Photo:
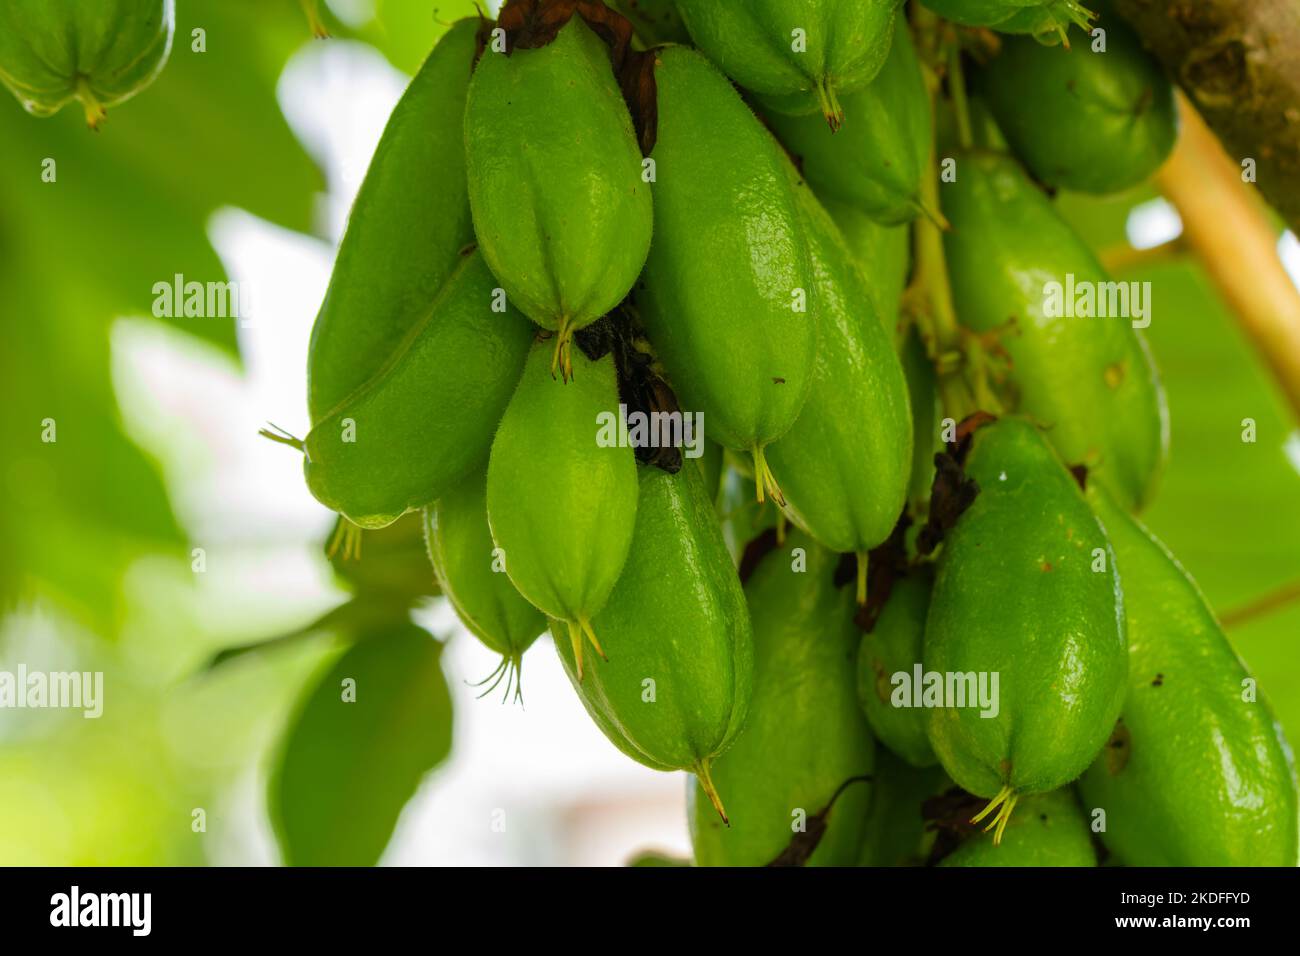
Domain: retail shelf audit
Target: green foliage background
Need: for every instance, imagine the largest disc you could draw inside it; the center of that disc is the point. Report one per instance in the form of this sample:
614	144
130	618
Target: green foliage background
94	565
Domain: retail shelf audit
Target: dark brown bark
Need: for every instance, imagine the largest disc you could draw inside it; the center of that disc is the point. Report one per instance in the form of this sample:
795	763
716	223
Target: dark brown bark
1239	62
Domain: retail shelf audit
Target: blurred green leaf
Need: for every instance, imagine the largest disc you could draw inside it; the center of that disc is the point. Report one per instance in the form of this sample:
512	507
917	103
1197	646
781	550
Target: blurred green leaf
125	208
347	768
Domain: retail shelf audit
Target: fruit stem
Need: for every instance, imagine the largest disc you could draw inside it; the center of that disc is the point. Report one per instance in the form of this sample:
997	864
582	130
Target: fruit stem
830	102
862	577
348	536
318	30
563	358
95	112
706	783
764	480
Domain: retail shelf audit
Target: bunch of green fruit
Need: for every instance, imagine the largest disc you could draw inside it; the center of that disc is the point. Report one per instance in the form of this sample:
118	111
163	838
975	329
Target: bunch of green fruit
567	231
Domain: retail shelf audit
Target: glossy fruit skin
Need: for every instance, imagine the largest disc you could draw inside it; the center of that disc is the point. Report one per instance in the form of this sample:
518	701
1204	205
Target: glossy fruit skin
875	162
560	208
656	21
806	735
408	227
882	252
1194	775
102	53
893	646
1090	382
562	507
1048	829
726	330
678	617
464	563
1081	120
895	831
845	463
751	41
1015	594
426	418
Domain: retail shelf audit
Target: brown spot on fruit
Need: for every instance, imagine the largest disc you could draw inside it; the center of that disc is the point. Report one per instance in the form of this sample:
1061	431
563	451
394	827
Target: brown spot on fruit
1118	748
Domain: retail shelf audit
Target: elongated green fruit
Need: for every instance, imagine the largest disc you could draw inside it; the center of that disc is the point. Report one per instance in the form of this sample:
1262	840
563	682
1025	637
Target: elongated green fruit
888	657
560	208
844	464
561	501
676	688
927	422
656	21
409	225
806	738
883	253
1049	829
1088	380
426	419
726	294
1197	772
896	827
1083	119
1026	590
101	53
800	55
874	163
472	573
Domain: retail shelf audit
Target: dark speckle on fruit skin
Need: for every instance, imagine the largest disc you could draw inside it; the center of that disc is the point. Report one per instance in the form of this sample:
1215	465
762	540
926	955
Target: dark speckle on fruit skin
1159	681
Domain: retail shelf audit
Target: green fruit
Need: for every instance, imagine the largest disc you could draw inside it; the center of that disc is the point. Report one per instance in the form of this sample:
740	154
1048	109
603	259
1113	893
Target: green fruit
1048	21
560	208
472	574
1089	381
656	21
409	225
675	690
101	53
425	420
561	504
893	646
844	464
1025	589
728	271
806	738
1012	16
1079	119
1049	830
927	417
710	466
876	162
896	826
883	253
757	42
978	13
1195	773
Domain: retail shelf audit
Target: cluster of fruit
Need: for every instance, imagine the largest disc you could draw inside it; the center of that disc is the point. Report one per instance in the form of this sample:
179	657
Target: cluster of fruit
578	215
559	224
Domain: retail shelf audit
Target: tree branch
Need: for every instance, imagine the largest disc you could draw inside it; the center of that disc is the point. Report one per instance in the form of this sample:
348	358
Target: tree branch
1239	62
1226	225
